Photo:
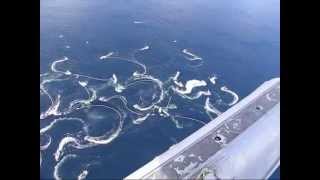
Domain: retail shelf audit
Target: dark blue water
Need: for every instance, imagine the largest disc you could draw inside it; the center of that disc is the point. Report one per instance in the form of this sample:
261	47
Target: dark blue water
237	41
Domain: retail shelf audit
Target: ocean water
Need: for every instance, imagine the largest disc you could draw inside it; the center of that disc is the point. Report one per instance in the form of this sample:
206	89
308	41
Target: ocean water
123	80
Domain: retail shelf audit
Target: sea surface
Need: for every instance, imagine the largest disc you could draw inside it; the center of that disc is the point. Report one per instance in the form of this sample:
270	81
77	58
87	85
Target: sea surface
123	80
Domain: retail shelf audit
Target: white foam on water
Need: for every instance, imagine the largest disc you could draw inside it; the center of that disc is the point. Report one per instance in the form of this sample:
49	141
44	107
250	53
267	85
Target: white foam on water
210	108
163	111
83	139
144	48
91	97
159	84
197	95
56	172
189	118
53	109
122	99
67	72
213	79
176	122
191	84
106	138
54	64
117	86
107	99
83	83
106	56
192	57
141	119
138	107
176	76
138	22
45	146
172	106
175	80
234	95
83	175
66	140
55	121
114	79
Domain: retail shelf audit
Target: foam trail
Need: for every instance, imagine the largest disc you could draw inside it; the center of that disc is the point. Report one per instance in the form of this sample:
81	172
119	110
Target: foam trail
51	99
83	139
169	102
45	146
144	48
192	57
196	120
54	64
59	164
83	83
67	72
172	106
160	85
190	85
106	56
210	108
106	139
53	102
66	140
114	78
117	87
163	111
122	99
213	79
52	78
176	122
138	22
235	96
51	125
93	78
106	99
197	95
73	142
53	109
141	119
88	101
83	175
175	80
